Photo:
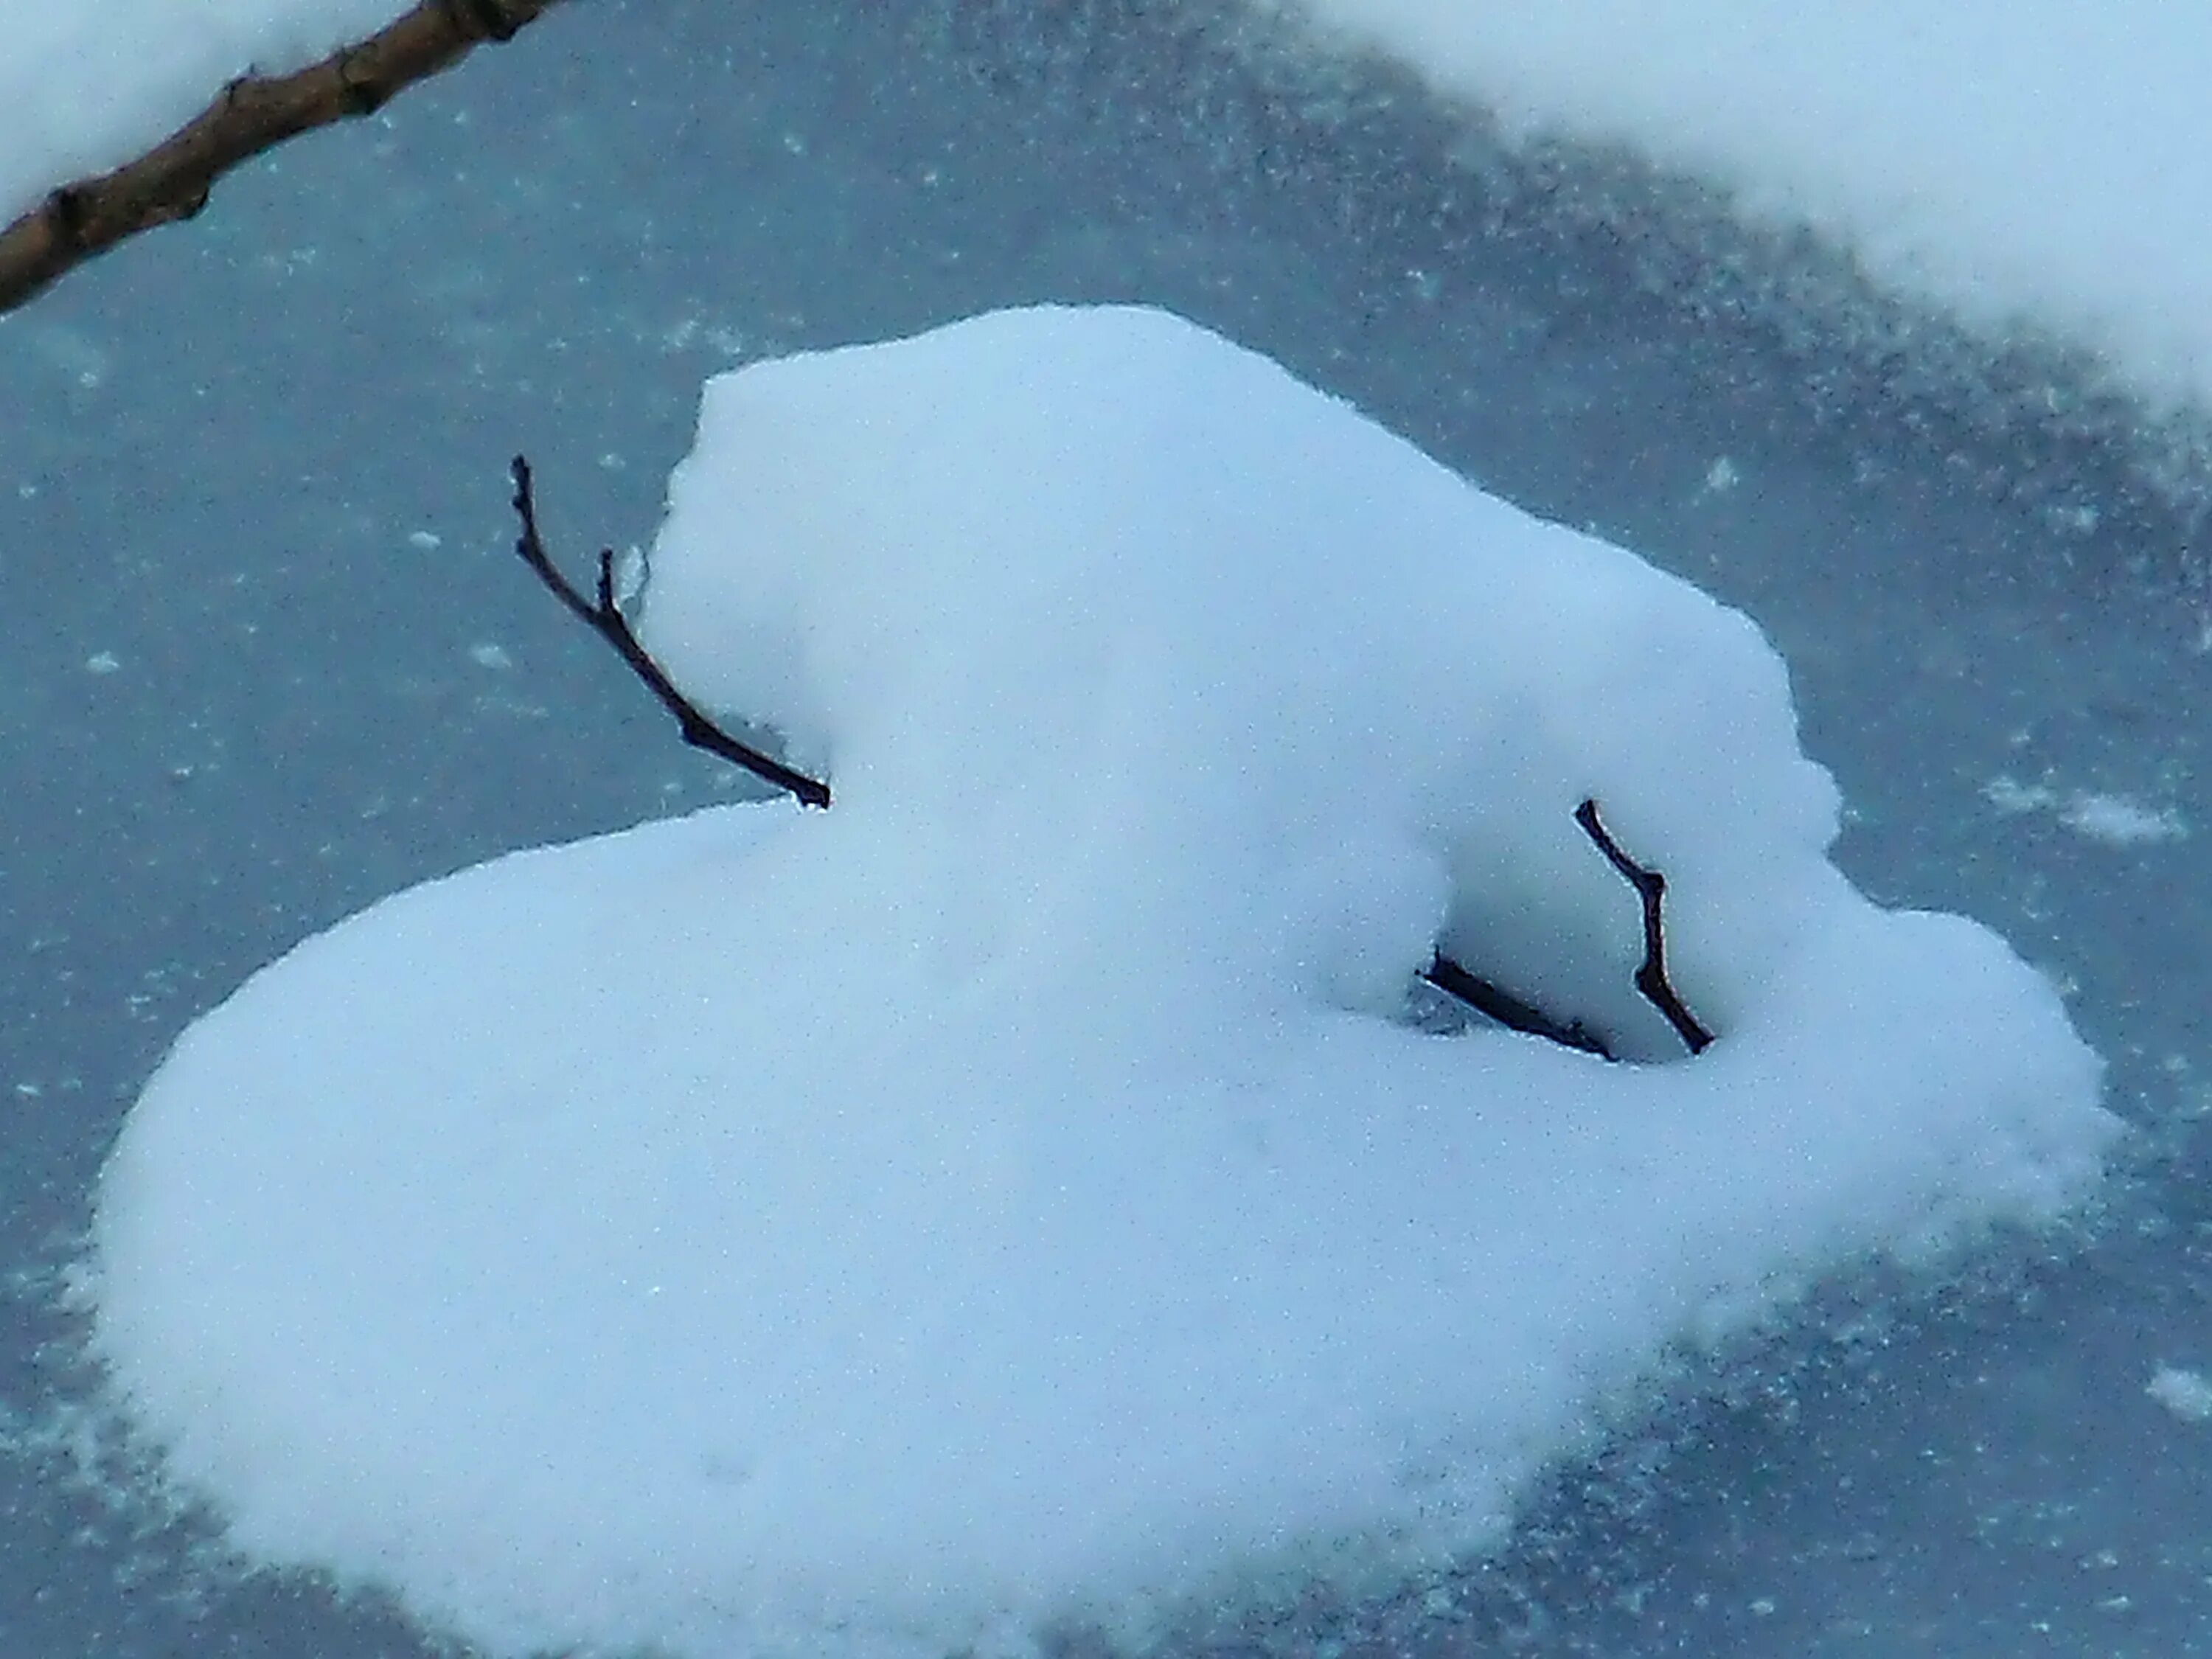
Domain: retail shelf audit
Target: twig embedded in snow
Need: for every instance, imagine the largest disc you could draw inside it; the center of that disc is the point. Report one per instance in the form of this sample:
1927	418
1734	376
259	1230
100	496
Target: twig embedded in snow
603	614
1485	997
1651	974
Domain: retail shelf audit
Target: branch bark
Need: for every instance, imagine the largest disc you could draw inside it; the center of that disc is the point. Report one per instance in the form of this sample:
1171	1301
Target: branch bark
1488	998
1494	1000
1652	889
253	114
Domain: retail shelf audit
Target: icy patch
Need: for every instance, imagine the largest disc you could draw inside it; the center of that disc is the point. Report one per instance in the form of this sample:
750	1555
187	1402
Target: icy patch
2116	820
1016	1194
2121	821
2186	1394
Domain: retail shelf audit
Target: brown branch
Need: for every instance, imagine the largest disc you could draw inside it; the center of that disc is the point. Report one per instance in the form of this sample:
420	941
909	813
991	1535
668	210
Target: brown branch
1651	888
603	615
253	114
1489	998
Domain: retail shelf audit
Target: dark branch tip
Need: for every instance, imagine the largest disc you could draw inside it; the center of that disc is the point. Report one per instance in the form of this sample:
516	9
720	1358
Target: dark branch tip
606	619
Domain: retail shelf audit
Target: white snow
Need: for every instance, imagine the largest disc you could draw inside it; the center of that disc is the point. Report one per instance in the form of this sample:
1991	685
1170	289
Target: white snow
1015	1193
87	85
2009	159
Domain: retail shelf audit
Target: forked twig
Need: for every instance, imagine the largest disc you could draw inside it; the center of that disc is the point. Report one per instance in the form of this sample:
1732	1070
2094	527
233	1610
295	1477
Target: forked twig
1487	998
1651	974
603	616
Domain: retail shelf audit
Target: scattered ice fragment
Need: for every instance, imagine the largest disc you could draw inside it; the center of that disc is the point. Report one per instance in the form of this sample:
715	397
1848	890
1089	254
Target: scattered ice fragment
690	330
488	655
1722	477
2186	1394
633	573
2117	820
424	541
103	662
2121	821
2010	795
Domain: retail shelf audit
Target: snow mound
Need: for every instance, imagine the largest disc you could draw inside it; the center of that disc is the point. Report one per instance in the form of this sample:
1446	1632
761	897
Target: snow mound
1017	1193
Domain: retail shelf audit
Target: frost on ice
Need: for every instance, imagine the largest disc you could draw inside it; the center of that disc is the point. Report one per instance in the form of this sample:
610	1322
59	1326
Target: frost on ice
1017	1192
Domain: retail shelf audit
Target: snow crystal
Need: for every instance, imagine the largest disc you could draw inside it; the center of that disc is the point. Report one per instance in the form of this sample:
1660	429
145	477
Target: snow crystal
1016	1192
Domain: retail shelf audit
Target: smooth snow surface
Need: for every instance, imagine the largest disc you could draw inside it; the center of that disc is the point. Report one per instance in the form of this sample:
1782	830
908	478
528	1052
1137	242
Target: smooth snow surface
1016	1192
86	85
2014	160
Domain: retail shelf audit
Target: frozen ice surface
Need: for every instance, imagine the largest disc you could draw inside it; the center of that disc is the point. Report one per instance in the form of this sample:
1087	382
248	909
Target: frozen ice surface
2038	161
1012	1193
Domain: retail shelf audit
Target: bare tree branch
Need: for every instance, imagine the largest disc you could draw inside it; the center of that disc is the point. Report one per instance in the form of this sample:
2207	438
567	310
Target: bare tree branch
603	616
252	115
1488	998
1651	888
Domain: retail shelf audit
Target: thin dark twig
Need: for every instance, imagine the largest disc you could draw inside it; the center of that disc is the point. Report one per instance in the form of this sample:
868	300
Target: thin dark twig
1485	997
1650	887
605	617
